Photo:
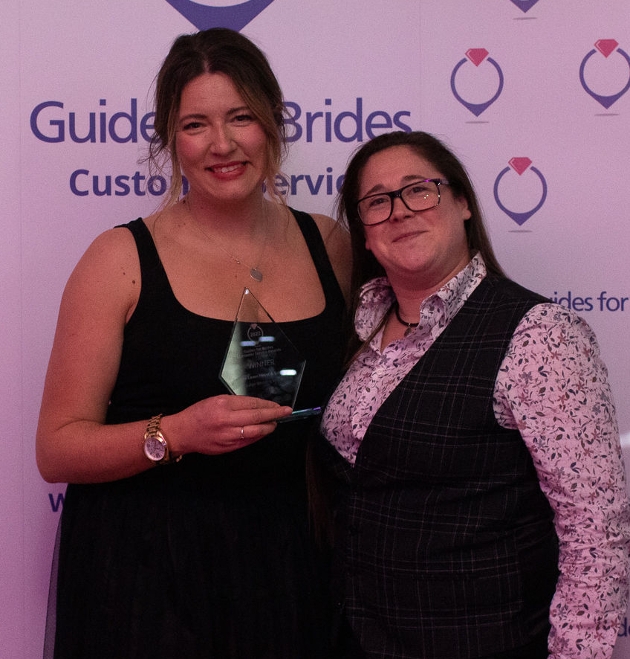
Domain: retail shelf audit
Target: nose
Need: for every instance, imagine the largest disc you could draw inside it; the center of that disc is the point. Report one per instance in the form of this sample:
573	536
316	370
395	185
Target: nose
221	141
399	209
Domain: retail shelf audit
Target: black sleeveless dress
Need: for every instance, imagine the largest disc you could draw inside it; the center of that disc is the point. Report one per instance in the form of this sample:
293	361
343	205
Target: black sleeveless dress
211	556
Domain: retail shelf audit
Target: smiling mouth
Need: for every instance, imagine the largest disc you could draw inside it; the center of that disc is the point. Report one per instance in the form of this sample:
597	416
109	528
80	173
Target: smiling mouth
226	169
410	234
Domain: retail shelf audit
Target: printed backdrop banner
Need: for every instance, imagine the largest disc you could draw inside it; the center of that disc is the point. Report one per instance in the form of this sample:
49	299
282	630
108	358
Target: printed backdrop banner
532	94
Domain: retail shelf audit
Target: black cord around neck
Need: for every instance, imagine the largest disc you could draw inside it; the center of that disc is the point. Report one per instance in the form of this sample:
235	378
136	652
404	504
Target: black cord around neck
409	326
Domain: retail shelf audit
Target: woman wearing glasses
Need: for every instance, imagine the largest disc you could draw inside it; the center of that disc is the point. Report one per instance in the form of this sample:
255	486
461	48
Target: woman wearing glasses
480	508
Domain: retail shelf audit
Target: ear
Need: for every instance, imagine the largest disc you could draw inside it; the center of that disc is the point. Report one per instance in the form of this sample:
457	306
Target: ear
462	204
367	242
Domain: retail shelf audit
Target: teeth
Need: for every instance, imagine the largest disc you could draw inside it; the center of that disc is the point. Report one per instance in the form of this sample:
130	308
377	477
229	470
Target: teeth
225	170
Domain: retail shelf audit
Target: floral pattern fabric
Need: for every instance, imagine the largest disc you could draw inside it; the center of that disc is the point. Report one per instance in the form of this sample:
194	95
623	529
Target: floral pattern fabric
553	387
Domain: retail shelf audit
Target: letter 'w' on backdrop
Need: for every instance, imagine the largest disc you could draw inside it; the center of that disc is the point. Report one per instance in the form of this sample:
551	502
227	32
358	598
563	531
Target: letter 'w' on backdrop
534	95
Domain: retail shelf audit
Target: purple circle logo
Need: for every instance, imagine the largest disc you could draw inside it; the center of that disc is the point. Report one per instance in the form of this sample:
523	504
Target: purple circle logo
477	56
205	16
605	47
520	166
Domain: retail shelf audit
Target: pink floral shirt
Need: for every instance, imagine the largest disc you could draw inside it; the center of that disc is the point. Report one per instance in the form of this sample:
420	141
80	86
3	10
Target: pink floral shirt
552	386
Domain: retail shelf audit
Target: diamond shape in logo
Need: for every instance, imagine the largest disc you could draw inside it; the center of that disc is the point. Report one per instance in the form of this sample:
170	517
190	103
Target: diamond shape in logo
235	17
519	165
477	55
606	46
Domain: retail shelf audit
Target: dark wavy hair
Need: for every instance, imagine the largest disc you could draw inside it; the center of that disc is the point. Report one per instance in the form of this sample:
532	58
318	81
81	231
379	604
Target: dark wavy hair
365	265
218	50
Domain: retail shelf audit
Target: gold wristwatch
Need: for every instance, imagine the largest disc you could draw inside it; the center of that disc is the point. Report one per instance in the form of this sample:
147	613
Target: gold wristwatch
155	444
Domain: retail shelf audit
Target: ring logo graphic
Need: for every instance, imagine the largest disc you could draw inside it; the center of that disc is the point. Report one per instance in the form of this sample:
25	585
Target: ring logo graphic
605	47
524	5
520	166
204	15
477	56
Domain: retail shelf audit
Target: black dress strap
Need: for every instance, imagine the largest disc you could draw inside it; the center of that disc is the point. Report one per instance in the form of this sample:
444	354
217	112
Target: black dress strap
316	247
151	269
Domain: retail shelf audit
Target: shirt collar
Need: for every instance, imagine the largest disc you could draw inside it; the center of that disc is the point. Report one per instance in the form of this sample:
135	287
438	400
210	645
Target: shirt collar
376	298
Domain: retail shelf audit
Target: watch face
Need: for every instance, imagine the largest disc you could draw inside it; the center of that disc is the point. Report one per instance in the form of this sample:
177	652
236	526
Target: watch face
154	449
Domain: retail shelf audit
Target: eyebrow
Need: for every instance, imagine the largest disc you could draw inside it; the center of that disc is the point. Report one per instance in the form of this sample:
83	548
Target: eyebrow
241	108
192	115
379	187
201	115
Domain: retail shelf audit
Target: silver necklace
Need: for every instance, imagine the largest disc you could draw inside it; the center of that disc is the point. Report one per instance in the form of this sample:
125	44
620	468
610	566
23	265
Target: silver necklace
254	270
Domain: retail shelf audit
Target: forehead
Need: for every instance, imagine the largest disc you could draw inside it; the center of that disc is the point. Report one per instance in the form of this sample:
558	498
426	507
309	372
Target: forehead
392	167
210	90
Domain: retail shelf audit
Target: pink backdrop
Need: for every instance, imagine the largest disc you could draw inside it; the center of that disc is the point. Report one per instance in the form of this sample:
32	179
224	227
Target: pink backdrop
531	94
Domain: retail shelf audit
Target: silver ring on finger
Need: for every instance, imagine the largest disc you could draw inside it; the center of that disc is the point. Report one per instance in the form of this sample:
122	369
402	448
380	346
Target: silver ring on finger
242	432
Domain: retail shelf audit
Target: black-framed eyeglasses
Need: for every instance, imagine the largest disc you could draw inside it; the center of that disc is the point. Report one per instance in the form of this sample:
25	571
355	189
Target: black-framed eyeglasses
417	196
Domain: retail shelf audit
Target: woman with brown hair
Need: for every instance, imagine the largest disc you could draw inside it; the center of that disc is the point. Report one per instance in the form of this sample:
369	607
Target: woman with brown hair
480	508
184	531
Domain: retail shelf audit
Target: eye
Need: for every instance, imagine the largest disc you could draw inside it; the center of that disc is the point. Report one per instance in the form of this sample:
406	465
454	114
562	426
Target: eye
419	188
192	127
243	118
376	202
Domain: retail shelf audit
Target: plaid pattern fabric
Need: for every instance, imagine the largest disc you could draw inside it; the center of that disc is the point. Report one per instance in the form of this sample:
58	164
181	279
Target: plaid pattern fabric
445	545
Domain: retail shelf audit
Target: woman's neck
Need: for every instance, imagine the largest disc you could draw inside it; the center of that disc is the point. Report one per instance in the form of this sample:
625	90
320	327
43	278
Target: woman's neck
233	218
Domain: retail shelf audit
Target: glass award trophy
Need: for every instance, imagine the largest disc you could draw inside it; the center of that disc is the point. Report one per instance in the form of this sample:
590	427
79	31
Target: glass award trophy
260	360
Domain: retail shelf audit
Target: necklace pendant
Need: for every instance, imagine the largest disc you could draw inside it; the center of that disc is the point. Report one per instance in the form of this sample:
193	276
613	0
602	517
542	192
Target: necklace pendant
256	274
410	326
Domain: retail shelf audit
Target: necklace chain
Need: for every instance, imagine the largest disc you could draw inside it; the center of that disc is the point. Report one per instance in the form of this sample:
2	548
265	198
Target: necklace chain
409	326
254	270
